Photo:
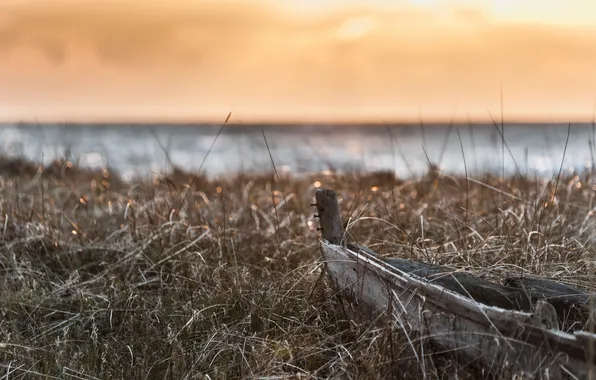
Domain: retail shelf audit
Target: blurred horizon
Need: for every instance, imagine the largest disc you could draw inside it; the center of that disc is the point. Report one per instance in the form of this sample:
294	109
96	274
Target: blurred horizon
325	61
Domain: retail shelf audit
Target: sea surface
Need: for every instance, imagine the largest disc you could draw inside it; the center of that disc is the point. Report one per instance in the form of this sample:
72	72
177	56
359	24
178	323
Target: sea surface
140	150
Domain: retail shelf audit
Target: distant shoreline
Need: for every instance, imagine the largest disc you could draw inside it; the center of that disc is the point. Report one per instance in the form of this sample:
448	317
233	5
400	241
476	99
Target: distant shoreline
407	149
305	125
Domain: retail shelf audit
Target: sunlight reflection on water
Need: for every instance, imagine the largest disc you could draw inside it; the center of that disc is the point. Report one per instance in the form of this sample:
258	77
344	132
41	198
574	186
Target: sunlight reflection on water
139	150
93	160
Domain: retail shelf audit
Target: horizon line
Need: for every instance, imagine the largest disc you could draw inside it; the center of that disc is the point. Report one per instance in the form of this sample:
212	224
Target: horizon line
306	121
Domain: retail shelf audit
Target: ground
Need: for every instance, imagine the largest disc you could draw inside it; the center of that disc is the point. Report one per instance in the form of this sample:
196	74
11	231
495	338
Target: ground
186	277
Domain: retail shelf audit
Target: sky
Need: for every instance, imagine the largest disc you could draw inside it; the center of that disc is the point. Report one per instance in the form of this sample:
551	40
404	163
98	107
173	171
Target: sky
297	60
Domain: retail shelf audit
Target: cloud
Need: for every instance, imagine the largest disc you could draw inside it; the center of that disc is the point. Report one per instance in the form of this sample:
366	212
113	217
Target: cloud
214	33
155	33
241	37
132	34
257	56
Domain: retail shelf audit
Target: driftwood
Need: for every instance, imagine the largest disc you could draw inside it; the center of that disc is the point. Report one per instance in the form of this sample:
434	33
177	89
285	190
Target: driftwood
571	305
491	326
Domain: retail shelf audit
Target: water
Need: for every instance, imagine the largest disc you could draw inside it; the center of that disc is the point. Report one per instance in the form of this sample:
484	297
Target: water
135	150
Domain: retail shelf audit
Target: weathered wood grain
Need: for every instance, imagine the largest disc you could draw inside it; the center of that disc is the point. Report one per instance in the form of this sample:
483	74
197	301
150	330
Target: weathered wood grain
478	334
572	306
514	325
329	216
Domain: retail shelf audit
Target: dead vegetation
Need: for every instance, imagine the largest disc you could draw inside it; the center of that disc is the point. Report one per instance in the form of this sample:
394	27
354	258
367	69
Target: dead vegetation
188	277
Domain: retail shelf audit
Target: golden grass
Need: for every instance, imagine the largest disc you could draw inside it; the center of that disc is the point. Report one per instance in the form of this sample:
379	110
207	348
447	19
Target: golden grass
186	277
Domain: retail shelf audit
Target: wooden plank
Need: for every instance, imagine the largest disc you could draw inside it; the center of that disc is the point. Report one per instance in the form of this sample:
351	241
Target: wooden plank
483	335
463	283
572	306
481	322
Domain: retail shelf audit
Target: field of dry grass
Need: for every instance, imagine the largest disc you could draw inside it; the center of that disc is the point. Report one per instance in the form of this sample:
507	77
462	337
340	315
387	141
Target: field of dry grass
184	277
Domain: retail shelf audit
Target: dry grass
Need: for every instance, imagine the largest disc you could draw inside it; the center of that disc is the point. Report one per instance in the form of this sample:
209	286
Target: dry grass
186	277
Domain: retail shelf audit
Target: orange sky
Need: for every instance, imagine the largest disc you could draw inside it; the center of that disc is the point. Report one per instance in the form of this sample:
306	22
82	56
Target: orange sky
296	60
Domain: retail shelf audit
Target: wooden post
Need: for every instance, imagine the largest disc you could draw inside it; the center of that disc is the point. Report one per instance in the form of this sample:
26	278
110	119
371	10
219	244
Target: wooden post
328	213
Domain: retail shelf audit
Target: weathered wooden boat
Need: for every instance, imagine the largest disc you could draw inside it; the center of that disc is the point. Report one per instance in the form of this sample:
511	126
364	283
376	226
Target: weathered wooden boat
533	327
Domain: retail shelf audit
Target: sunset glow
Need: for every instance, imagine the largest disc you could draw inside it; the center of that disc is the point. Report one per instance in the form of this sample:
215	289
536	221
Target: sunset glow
289	60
